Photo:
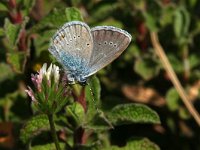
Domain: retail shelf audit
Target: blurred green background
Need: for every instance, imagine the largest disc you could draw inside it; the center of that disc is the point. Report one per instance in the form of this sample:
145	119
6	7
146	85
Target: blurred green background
26	27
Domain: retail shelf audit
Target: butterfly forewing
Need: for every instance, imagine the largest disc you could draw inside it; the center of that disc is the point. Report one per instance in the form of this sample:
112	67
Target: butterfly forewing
109	42
72	45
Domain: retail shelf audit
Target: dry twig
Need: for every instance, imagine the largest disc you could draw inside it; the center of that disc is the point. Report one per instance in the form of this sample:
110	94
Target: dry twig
164	60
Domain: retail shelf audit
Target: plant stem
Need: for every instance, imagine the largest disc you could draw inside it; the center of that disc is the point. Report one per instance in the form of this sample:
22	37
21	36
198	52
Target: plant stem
53	131
76	89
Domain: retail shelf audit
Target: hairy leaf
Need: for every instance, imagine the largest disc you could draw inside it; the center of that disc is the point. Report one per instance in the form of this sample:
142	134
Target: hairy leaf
76	111
34	127
12	32
98	123
94	85
92	93
132	113
17	61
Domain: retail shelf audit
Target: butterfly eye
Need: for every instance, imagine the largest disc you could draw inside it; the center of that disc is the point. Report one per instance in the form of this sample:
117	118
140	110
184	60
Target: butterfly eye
115	45
88	44
74	37
111	43
78	36
105	42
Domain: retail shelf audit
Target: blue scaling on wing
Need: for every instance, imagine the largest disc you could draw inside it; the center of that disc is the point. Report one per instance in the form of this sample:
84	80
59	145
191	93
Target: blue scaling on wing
72	46
75	66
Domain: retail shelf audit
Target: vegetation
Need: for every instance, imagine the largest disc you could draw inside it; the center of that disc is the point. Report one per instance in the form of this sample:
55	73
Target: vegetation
140	101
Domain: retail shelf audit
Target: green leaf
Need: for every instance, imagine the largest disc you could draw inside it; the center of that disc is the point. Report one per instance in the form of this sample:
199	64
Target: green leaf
2	32
94	85
194	60
172	99
178	22
177	65
73	14
92	94
186	24
76	111
133	52
3	7
132	113
150	21
57	18
103	11
17	61
136	144
181	23
95	118
167	16
34	127
41	43
28	5
147	68
50	146
99	123
6	72
12	32
183	113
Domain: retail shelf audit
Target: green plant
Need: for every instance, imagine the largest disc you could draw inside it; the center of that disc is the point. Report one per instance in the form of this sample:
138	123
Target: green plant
26	27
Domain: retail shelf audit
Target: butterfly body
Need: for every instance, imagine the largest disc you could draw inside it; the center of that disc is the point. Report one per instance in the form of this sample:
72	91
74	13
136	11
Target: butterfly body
83	51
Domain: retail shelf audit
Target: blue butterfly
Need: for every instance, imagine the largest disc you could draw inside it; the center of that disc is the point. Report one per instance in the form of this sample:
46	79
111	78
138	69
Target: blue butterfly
83	51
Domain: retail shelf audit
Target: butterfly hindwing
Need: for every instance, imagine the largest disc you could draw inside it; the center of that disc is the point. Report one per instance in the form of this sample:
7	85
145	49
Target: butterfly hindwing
109	42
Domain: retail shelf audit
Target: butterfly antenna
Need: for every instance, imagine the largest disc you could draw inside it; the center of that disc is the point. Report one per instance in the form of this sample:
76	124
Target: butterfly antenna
101	114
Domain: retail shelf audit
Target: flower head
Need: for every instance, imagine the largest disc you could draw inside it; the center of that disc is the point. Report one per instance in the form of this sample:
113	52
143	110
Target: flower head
50	93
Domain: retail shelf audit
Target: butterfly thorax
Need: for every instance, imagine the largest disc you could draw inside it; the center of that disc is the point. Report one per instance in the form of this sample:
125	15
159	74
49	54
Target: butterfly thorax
76	77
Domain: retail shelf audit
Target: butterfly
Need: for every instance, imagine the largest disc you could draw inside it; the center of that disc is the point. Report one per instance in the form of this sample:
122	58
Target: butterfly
83	51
